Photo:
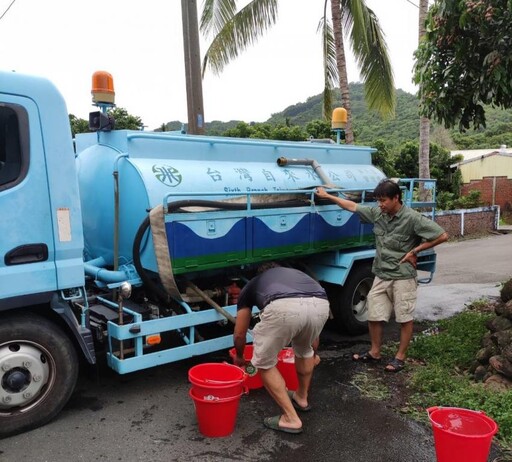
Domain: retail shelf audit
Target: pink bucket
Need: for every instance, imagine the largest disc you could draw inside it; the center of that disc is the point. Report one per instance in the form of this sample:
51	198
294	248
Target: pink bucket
461	435
286	366
219	379
216	417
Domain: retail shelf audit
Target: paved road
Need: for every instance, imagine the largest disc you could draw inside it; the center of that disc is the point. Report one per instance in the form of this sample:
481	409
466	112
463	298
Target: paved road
148	415
467	270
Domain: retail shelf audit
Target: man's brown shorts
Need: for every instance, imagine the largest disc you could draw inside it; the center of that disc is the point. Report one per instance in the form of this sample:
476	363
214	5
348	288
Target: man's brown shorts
396	295
298	321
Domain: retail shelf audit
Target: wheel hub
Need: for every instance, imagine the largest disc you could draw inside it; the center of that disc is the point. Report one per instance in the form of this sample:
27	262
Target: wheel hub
360	300
16	380
24	372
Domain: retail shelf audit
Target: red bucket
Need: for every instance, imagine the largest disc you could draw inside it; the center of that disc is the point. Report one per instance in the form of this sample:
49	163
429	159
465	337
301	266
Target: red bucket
286	366
254	381
220	380
215	417
461	435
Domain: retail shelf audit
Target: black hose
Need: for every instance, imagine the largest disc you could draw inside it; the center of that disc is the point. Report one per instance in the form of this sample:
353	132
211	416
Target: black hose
174	206
153	288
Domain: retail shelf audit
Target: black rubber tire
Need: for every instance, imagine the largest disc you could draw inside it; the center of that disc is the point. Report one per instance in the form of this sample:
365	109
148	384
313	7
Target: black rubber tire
55	353
348	302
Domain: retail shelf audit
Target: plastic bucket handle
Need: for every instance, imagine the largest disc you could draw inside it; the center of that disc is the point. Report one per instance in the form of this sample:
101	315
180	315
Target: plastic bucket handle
215	399
228	382
436	408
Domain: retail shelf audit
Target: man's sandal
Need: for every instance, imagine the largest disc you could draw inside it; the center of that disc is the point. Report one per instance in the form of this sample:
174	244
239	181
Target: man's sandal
296	405
395	365
273	424
365	357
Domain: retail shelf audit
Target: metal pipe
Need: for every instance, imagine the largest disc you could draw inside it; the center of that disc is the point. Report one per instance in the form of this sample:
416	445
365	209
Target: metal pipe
120	321
240	142
207	299
115	174
104	275
283	162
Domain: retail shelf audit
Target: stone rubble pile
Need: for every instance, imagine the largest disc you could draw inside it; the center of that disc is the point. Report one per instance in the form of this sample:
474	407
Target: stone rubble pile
493	364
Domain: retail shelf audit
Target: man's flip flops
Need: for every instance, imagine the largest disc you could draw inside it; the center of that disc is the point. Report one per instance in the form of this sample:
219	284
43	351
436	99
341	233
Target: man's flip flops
273	424
365	357
395	365
297	405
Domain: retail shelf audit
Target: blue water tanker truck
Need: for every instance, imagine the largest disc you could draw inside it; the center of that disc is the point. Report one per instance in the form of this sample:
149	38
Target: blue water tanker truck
133	246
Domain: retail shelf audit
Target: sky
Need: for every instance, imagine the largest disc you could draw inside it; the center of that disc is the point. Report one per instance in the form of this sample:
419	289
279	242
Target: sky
141	45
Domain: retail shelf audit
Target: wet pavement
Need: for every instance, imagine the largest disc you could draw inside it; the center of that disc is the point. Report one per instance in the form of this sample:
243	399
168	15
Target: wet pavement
148	415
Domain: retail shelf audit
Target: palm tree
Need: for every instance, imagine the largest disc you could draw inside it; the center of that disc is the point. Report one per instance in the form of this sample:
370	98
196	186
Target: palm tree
233	31
424	161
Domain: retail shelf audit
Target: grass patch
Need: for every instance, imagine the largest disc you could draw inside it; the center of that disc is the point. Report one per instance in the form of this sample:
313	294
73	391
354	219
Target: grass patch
439	375
370	386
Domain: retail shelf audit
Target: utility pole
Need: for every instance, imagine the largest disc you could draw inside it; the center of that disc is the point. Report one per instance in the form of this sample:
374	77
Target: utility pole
192	67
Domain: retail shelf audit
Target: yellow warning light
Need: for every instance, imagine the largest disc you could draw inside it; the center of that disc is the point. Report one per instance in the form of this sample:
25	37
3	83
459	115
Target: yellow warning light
154	339
339	118
103	88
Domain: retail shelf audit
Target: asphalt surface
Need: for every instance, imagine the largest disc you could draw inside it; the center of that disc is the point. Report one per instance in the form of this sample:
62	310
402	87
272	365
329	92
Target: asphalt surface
149	416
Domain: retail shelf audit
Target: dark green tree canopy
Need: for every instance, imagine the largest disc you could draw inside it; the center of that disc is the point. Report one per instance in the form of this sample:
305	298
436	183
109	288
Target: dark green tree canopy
465	62
124	121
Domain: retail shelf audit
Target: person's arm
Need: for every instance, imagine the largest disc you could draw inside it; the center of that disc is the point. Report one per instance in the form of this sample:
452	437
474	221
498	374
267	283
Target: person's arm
343	203
412	255
243	319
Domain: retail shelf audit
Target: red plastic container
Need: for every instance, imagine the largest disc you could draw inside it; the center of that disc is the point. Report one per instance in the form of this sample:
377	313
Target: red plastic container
254	381
461	435
286	366
220	380
215	417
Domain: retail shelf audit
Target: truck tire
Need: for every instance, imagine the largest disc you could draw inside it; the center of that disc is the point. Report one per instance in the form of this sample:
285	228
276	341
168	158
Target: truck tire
349	302
38	372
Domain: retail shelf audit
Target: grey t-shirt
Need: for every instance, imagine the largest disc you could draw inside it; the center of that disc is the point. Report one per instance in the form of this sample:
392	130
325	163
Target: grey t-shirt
276	283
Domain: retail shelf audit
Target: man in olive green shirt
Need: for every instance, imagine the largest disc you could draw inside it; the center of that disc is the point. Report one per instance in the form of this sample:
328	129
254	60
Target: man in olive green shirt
400	233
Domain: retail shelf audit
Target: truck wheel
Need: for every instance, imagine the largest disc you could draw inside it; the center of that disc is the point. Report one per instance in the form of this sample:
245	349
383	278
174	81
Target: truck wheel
38	372
349	302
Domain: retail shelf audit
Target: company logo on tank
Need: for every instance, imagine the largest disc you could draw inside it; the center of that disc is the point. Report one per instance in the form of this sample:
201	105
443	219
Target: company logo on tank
167	175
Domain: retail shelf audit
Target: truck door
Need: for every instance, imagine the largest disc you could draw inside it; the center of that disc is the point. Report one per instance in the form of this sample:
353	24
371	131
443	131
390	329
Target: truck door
27	268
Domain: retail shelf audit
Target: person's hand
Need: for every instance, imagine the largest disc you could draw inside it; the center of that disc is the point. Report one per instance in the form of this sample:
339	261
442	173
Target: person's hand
321	193
410	257
239	361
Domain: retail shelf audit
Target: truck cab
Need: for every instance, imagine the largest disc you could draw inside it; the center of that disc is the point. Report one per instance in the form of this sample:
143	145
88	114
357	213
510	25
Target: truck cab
42	241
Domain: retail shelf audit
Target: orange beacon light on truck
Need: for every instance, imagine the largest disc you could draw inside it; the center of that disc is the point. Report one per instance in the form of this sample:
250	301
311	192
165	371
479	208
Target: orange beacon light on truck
103	88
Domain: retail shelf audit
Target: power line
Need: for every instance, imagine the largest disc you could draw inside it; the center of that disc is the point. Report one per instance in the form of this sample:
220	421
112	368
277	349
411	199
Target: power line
413	4
8	8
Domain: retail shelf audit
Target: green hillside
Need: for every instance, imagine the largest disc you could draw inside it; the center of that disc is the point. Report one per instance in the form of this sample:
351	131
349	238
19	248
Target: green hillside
369	127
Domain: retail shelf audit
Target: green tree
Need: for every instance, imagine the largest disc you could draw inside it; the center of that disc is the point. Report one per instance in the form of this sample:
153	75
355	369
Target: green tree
440	161
464	62
383	159
319	129
78	125
234	30
125	121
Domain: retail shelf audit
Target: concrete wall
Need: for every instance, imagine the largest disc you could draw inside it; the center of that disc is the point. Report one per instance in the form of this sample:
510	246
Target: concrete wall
467	222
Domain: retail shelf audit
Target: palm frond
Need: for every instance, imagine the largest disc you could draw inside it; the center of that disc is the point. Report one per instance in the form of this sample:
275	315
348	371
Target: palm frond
216	13
370	50
329	64
242	30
